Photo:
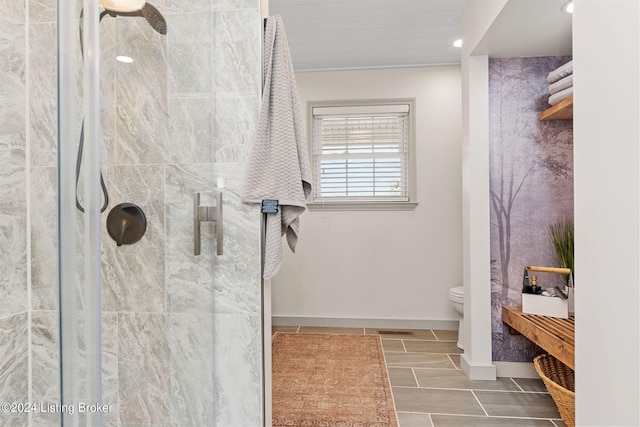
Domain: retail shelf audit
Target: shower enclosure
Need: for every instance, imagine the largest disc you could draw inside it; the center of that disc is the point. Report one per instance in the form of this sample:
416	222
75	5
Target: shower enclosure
146	333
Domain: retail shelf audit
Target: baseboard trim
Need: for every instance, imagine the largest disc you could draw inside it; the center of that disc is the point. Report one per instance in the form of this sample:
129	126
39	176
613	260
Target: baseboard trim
498	370
348	322
477	372
516	370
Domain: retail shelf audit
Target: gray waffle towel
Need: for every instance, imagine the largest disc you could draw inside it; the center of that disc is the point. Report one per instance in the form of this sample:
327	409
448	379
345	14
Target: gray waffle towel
278	166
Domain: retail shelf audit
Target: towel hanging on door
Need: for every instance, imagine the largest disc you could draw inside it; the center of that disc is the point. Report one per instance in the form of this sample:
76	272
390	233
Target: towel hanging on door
278	165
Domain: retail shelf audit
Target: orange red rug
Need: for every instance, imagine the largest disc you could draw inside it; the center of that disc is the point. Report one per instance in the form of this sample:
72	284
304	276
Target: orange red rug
330	380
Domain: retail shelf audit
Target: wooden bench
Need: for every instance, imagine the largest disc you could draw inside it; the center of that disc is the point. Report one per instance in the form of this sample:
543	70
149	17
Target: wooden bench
555	336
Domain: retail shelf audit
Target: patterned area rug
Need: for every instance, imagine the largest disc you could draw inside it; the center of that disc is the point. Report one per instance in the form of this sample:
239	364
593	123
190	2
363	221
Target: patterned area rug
330	380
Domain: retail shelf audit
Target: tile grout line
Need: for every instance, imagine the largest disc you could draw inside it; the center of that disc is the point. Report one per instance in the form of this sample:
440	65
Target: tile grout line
485	390
28	209
452	362
415	377
517	385
479	403
431	420
495	417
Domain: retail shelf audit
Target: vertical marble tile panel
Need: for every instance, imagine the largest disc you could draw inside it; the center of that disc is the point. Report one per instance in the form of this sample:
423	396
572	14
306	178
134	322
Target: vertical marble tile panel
143	368
190	27
42	11
13	240
187	6
235	123
237	369
44	267
108	89
189	68
142	109
189	51
237	273
110	365
14	12
42	63
235	4
11	144
237	338
43	140
45	364
133	275
190	339
189	277
190	130
14	369
12	85
42	95
234	275
236	52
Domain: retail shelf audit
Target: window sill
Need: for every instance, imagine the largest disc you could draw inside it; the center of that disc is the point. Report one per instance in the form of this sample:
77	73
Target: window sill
361	206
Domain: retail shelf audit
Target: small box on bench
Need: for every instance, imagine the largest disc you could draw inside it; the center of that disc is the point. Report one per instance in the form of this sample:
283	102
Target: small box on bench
545	306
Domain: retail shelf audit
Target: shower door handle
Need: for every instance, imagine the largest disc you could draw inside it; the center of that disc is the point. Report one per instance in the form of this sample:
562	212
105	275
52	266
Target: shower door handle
207	214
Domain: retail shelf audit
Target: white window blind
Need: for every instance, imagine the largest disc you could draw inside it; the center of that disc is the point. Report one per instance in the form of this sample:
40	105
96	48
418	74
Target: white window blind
361	153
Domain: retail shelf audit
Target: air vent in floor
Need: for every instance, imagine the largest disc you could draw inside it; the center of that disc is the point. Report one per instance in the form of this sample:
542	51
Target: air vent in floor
387	332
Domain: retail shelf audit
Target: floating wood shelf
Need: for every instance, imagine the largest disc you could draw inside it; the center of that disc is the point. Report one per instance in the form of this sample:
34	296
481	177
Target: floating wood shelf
563	110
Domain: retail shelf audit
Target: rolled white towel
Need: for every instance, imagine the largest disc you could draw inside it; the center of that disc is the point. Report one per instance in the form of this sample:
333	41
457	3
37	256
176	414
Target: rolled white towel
561	84
560	72
563	94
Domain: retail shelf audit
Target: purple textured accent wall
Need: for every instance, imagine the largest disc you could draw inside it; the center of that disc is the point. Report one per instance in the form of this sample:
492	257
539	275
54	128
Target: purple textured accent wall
531	186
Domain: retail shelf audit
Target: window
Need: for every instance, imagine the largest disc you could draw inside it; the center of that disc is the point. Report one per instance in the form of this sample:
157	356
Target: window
361	155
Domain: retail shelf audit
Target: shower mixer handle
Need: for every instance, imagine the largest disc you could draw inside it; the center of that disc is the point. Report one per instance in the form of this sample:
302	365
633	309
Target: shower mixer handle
211	213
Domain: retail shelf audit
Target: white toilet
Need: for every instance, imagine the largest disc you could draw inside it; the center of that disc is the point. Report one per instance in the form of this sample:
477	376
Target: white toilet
456	296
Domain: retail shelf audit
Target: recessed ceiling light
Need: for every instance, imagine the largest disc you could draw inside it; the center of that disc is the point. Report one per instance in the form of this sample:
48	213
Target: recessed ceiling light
124	59
458	43
568	7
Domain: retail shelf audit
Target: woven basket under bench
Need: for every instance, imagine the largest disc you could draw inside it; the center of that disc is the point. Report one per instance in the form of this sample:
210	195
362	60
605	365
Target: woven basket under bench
560	382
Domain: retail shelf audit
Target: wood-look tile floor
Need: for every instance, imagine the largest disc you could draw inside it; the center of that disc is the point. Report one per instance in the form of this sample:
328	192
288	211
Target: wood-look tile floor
430	390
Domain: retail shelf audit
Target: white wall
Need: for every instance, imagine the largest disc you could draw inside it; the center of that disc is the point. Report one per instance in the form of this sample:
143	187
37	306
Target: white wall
607	203
385	265
477	358
607	211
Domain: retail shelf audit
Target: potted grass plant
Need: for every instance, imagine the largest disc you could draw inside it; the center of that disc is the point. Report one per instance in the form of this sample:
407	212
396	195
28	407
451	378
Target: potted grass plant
561	234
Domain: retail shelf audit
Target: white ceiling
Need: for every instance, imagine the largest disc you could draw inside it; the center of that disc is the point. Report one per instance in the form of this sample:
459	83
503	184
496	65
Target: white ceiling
361	34
528	28
353	34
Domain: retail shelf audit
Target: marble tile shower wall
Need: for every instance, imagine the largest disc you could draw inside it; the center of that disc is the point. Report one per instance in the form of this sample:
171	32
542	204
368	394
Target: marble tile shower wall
181	334
13	208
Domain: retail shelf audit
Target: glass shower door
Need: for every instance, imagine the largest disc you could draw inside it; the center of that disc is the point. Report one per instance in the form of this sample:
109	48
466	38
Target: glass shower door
151	333
78	237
